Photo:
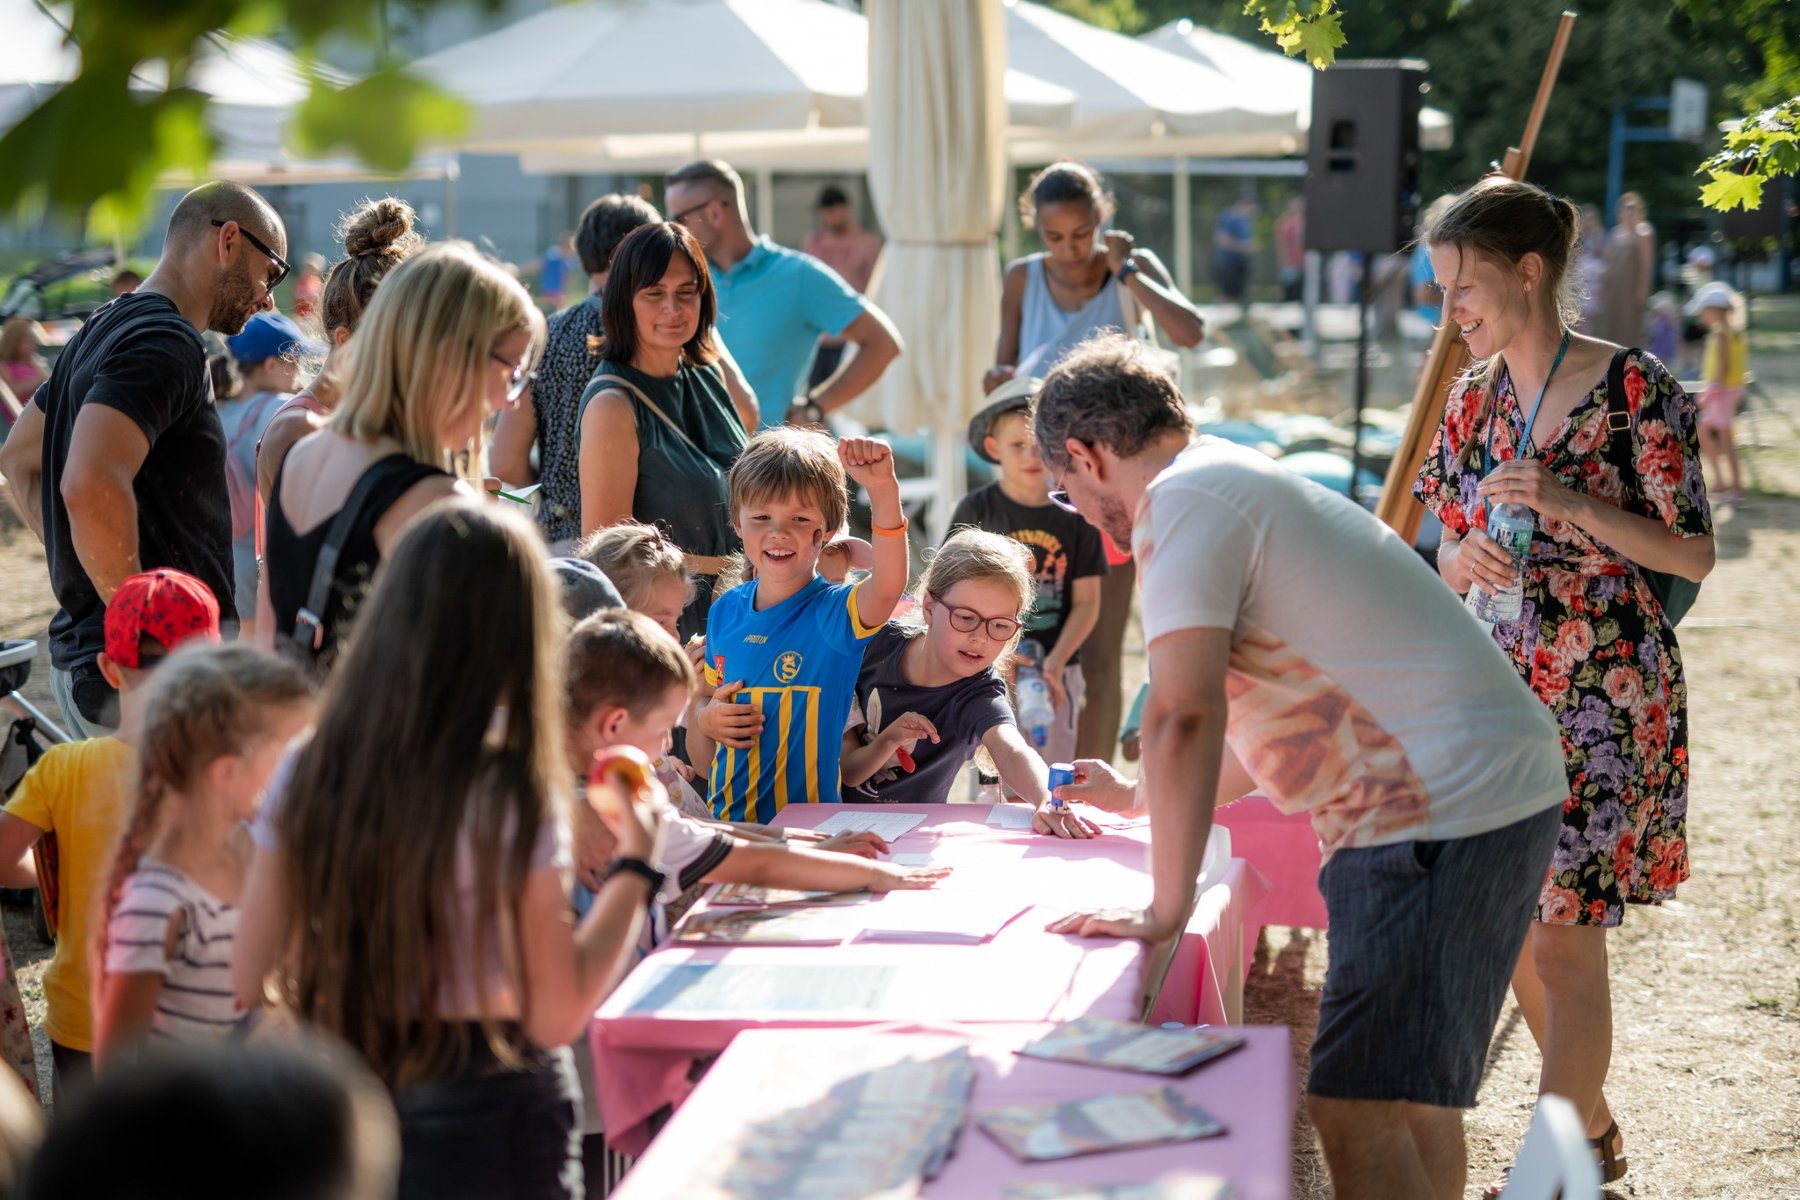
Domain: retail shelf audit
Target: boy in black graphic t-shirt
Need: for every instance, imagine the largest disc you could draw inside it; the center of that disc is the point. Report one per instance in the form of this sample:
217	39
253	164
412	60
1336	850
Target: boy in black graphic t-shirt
1068	557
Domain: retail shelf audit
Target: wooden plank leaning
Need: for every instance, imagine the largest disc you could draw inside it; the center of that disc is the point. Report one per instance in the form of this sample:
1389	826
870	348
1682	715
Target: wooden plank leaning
1448	356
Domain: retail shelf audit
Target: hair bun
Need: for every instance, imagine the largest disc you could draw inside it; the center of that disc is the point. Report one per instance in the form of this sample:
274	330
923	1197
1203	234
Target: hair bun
379	228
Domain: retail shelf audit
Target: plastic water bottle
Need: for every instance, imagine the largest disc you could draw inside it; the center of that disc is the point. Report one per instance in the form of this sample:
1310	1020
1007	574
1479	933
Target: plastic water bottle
1033	695
1512	526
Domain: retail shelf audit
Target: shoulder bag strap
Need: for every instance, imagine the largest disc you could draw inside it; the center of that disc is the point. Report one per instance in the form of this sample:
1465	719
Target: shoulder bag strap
309	622
648	403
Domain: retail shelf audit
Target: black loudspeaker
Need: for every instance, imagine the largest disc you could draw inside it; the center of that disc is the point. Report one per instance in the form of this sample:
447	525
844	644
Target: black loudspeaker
1362	160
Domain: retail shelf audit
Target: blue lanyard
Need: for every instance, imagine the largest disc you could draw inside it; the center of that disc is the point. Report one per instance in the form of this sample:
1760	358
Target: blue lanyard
1487	450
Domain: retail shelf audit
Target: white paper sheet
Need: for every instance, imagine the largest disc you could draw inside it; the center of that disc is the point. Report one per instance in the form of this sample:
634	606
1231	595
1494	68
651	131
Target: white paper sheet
1010	816
886	825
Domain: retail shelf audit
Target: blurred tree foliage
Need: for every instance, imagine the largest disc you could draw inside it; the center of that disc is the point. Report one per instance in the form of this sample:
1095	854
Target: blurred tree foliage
1486	56
98	145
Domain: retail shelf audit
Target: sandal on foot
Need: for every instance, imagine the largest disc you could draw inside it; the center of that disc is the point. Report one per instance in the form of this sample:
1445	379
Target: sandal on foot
1609	1149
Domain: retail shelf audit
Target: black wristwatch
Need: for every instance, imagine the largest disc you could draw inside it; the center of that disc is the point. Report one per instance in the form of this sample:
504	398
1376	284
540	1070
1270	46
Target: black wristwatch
638	867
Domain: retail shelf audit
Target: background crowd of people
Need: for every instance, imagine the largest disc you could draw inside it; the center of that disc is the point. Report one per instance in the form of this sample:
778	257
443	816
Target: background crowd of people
340	694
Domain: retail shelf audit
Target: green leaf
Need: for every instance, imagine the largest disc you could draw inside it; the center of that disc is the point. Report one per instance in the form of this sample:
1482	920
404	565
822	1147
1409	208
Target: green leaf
1729	190
1316	39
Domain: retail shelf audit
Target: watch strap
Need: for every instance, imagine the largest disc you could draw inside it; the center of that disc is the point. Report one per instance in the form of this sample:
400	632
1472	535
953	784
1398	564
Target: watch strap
638	867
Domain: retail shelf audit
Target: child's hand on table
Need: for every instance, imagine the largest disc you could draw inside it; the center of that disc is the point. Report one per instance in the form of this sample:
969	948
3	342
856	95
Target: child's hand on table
889	878
1062	823
860	842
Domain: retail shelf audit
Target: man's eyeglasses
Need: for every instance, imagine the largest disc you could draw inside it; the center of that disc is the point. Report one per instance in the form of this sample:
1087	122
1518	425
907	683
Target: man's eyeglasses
281	264
966	620
1059	496
681	217
518	378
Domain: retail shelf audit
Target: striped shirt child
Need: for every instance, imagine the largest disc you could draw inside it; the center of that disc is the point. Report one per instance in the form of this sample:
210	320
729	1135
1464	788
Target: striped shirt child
196	1000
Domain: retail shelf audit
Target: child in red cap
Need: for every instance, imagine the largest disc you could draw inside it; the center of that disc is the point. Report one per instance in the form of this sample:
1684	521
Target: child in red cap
73	801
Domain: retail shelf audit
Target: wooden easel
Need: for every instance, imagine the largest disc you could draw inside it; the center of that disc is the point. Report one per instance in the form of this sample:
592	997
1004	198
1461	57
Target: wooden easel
1448	355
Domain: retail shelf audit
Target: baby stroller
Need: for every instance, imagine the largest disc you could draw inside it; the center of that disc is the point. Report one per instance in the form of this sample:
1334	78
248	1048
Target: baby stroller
28	731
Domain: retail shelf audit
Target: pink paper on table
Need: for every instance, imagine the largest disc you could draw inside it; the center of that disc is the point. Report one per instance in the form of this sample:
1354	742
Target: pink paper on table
1252	1091
1285	849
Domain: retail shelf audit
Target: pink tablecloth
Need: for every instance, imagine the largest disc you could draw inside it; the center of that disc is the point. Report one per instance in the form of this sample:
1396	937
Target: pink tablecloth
1286	850
1251	1090
646	1035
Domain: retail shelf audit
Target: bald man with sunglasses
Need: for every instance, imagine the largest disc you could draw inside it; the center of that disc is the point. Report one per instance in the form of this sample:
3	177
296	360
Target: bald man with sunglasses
118	463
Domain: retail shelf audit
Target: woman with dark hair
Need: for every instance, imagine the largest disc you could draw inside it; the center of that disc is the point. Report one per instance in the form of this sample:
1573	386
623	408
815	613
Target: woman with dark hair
572	347
659	431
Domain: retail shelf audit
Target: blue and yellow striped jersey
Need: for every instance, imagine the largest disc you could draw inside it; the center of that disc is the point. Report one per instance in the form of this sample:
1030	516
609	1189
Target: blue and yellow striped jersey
798	661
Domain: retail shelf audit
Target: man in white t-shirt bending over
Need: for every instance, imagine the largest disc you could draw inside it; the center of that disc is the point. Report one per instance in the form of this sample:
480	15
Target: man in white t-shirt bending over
1292	633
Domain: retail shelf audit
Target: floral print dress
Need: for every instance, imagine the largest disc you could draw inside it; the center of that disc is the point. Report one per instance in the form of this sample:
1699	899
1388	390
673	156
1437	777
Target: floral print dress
1592	640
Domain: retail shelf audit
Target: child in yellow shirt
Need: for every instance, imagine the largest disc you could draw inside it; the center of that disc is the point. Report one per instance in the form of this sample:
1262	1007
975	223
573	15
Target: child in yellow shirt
1724	372
81	792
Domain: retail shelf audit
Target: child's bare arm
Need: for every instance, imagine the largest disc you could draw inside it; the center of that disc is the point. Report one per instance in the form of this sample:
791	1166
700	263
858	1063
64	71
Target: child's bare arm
17	837
1025	774
817	870
870	463
858	762
128	1003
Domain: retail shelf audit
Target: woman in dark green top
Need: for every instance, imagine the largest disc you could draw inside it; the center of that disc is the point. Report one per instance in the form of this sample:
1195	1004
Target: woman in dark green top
659	431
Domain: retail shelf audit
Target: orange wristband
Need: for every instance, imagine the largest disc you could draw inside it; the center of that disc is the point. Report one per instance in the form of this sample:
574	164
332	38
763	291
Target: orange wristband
897	531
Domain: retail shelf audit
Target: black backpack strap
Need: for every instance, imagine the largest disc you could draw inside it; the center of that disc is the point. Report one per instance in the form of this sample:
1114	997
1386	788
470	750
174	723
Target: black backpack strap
309	622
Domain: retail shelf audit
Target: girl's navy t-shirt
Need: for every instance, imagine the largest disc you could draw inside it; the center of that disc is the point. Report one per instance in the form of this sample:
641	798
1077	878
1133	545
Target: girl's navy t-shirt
962	712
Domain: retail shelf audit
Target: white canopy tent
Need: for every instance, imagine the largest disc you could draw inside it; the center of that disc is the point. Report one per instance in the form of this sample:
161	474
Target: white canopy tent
937	130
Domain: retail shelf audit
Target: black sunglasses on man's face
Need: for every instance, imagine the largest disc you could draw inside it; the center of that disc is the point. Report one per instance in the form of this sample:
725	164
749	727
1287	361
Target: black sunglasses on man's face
281	264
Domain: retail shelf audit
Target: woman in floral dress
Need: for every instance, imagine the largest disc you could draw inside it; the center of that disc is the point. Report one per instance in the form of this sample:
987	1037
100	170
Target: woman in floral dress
1617	489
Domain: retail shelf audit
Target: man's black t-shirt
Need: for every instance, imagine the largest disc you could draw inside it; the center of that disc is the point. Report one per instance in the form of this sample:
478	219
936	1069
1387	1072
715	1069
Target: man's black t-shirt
962	713
1064	548
140	356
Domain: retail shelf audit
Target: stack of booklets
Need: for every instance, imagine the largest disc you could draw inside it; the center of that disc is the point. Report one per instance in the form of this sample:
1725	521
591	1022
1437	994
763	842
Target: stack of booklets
750	895
764	926
880	1133
1100	1042
1119	1121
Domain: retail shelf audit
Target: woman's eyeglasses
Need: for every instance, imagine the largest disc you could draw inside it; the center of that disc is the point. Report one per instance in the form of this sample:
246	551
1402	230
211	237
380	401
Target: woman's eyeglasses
966	620
280	264
519	377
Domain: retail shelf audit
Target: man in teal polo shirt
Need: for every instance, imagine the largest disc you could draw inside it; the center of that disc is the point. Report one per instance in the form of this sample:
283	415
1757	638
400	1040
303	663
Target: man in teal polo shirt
776	303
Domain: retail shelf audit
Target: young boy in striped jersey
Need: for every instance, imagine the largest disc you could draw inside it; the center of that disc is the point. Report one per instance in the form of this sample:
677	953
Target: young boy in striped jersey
784	649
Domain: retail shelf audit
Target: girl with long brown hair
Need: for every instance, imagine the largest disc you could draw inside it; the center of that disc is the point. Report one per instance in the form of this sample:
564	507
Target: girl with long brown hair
407	894
216	721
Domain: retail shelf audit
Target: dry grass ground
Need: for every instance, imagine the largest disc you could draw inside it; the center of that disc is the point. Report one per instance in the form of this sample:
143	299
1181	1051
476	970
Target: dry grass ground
1706	1073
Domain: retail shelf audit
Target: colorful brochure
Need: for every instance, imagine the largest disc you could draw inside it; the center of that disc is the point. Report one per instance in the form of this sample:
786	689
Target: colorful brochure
750	895
763	926
1120	1121
1100	1042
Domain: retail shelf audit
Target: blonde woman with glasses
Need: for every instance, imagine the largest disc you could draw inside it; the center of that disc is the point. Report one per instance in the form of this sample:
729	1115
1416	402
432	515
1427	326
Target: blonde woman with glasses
448	339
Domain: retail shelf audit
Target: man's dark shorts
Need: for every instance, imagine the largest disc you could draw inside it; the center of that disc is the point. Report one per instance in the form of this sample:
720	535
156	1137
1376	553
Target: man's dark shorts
1424	937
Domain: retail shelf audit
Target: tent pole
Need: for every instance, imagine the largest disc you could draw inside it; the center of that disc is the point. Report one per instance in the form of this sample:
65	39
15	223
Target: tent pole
1009	218
1184	227
452	168
765	201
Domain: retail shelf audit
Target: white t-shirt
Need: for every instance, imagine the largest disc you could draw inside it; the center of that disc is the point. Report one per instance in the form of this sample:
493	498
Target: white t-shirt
1361	690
